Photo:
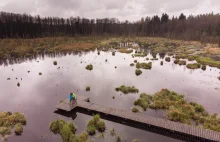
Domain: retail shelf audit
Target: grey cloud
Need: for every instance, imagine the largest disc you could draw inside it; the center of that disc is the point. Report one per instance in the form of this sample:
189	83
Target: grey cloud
122	9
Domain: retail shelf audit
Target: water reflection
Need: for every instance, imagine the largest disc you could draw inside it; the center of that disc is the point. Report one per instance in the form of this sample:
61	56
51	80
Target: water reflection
37	95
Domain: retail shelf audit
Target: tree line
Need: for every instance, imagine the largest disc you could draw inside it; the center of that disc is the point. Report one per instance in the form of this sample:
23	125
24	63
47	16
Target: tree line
204	28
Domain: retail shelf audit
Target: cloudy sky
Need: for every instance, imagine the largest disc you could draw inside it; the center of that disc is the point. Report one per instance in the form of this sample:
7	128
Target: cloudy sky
131	10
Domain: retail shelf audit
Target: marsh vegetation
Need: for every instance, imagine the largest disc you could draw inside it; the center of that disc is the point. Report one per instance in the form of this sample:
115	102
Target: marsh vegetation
127	89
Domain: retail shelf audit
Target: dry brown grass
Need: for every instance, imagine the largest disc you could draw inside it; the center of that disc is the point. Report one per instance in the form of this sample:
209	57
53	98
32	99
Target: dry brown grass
213	50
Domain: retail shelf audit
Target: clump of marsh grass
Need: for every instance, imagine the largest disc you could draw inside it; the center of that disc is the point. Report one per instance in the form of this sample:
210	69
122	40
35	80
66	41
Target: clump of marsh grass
67	131
135	61
167	59
132	64
178	109
135	109
144	65
203	67
95	124
40	73
193	66
180	62
18	129
127	89
125	50
9	121
87	88
18	84
161	63
89	67
138	72
55	63
112	132
218	77
113	53
136	140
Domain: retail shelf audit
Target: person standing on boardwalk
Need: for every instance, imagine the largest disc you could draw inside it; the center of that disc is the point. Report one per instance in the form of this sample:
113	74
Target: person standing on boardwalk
71	98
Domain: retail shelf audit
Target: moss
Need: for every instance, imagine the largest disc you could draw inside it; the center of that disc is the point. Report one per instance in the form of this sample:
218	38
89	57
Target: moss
55	63
144	65
87	88
161	63
138	72
193	66
132	64
127	89
125	50
18	129
167	59
135	109
40	73
89	67
203	67
208	61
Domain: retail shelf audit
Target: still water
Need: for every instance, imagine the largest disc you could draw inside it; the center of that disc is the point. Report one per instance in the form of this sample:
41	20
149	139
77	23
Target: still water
37	95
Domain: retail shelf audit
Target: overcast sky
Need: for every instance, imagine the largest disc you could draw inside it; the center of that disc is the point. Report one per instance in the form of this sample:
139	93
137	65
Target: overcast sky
131	10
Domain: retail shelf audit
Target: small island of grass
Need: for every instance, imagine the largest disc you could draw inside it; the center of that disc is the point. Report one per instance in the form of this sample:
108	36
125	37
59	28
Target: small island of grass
127	89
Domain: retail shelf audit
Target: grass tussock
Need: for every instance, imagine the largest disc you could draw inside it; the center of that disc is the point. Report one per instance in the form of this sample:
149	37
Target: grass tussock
8	121
125	50
208	61
141	54
161	63
180	62
144	65
193	66
40	73
127	89
55	63
89	67
203	67
87	88
132	64
67	131
179	110
138	72
95	124
167	59
135	109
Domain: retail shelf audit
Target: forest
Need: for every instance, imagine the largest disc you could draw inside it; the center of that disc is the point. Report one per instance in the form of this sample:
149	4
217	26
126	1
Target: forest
204	28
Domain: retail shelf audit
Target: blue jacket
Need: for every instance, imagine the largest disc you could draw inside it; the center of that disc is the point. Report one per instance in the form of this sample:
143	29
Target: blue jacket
71	97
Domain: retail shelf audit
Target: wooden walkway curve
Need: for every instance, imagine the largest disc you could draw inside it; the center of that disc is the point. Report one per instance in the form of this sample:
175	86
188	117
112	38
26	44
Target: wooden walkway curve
174	127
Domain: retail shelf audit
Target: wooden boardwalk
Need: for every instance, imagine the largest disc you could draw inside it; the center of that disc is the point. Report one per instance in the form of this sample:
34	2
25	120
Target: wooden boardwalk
174	127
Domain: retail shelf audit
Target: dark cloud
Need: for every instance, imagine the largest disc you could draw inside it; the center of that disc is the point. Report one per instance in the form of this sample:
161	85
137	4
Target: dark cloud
121	9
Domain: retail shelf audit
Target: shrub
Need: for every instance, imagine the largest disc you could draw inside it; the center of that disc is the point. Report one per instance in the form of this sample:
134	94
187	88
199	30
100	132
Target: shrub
87	88
138	72
127	89
89	67
55	63
167	59
135	109
18	129
144	65
193	66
